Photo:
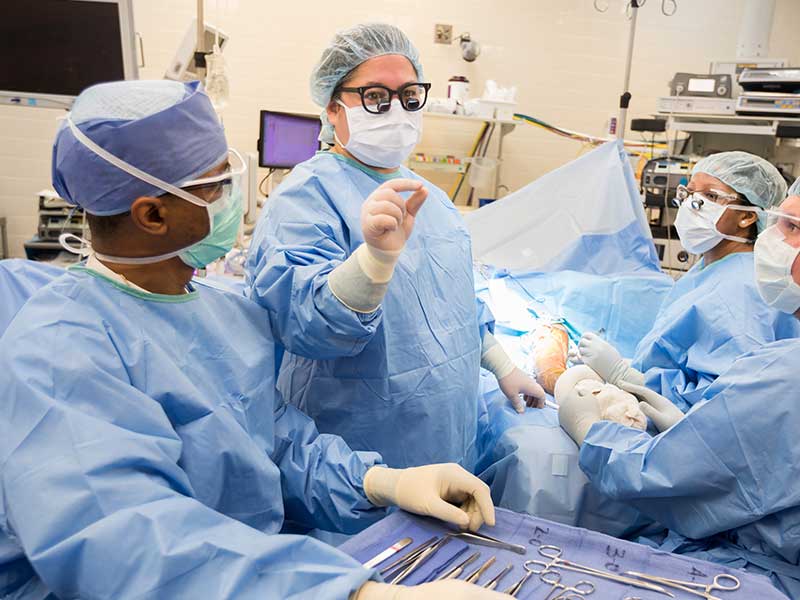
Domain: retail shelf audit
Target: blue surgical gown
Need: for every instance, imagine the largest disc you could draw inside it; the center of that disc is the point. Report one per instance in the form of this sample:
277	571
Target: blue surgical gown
402	380
726	478
712	316
19	279
145	454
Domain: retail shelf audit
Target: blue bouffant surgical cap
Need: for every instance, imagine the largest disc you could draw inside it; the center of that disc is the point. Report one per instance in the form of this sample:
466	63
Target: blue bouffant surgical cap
752	176
347	50
165	128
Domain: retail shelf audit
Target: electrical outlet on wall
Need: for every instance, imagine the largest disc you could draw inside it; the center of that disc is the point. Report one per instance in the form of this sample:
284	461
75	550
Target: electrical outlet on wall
443	34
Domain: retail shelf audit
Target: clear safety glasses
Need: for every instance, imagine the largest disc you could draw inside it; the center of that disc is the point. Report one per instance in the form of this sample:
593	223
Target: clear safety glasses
207	190
789	225
720	198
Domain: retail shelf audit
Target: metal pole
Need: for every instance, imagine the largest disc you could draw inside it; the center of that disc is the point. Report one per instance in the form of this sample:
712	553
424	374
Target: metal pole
625	99
201	26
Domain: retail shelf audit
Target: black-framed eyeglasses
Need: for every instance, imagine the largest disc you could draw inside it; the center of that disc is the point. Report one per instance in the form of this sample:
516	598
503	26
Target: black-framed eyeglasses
377	99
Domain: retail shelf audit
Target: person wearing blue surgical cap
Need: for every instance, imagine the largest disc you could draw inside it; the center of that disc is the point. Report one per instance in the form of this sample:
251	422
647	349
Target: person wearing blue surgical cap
714	313
366	271
725	477
144	450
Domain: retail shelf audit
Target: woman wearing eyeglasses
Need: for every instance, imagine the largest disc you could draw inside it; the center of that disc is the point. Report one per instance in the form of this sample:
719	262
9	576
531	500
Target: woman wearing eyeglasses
725	477
714	313
366	269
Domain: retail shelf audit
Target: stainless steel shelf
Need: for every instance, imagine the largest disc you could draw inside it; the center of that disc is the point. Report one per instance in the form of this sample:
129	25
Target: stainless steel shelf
730	124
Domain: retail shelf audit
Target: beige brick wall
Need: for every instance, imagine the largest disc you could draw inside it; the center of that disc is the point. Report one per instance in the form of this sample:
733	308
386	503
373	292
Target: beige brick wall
566	59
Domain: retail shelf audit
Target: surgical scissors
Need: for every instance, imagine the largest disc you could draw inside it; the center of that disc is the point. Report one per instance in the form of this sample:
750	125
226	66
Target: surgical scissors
554	554
721	582
553	578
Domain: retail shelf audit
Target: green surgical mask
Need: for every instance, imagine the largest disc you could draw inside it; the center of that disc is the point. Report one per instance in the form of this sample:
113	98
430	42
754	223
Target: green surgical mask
224	219
224	222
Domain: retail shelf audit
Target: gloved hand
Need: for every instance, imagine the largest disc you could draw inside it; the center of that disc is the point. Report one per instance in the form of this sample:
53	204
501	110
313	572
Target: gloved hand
663	413
574	355
433	490
577	413
387	219
516	383
451	589
604	359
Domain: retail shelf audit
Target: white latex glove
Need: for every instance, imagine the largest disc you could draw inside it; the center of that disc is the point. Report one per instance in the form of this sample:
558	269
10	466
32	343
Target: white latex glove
450	589
517	385
663	413
512	380
574	355
603	358
387	219
577	413
615	404
444	491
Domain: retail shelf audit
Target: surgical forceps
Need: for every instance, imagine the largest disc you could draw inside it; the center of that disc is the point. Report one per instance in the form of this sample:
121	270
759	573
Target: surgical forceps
517	587
420	560
496	579
456	571
408	558
477	573
481	539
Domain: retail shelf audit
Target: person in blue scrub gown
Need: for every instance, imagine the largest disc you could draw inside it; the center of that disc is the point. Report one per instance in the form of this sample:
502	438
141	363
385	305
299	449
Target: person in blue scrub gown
19	279
144	450
383	341
724	477
714	313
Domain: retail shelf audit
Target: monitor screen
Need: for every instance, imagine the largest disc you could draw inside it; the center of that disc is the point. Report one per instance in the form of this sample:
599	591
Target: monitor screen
286	140
59	47
701	85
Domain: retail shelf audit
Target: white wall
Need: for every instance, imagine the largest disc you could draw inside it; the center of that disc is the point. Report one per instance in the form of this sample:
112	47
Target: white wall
566	59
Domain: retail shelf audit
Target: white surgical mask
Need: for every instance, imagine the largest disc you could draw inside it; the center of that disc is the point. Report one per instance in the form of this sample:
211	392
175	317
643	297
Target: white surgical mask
774	258
384	140
697	226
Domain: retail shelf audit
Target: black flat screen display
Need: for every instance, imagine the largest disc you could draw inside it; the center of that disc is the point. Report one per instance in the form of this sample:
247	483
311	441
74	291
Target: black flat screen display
58	46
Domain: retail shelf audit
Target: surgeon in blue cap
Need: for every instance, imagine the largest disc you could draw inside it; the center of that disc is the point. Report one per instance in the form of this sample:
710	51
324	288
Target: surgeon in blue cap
714	314
366	271
725	477
144	450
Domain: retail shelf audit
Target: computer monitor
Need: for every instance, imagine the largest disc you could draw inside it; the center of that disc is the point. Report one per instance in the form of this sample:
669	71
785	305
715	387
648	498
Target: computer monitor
286	139
54	49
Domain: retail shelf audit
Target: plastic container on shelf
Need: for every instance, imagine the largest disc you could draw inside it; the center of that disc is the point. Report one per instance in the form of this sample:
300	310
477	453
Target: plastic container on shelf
482	171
